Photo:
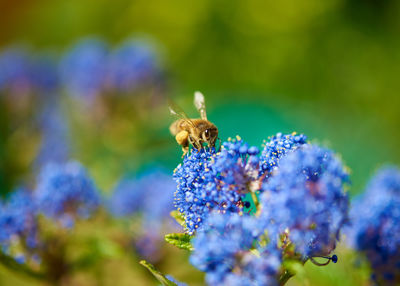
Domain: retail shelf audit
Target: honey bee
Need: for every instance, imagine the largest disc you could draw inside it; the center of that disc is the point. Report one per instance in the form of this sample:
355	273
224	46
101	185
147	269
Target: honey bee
193	131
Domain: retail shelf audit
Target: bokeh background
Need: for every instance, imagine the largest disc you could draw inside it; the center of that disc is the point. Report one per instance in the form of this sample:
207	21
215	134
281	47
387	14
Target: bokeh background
328	69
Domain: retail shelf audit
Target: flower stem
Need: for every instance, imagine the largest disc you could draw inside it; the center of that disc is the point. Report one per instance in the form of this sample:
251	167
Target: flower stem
255	200
285	277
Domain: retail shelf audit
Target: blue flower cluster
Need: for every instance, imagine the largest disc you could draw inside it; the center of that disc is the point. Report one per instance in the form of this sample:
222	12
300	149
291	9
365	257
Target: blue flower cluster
303	207
15	67
209	180
91	68
376	225
17	221
55	139
306	200
132	65
65	191
277	147
190	198
83	69
150	197
151	194
231	252
234	171
86	70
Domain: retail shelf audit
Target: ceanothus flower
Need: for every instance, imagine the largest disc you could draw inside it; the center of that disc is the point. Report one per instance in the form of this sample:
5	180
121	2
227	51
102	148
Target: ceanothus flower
18	220
375	226
131	65
83	68
15	70
231	252
45	74
305	200
55	139
209	180
65	192
126	199
277	147
151	196
190	198
234	171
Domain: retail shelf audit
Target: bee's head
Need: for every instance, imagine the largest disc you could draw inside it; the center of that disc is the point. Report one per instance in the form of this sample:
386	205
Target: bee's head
210	135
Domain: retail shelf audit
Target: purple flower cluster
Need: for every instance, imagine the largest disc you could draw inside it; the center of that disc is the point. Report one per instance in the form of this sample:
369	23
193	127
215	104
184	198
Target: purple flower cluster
306	199
375	227
231	252
65	192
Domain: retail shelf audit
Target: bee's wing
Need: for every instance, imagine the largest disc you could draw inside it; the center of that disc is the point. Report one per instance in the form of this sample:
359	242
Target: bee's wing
200	104
178	112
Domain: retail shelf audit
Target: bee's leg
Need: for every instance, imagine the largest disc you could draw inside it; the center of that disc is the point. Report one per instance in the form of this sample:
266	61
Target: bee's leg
185	150
183	139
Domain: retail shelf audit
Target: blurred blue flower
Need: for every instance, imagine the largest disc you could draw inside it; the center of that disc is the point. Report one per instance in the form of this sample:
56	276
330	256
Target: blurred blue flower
150	196
305	199
15	70
55	141
276	147
45	73
126	199
65	192
132	65
83	68
18	220
226	251
375	226
170	278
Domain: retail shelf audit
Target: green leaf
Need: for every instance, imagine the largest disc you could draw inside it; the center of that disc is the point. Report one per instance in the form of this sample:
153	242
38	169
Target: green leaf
180	240
179	218
160	277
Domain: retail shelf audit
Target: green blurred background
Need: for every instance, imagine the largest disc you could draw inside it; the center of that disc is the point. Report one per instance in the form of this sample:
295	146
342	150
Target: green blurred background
328	69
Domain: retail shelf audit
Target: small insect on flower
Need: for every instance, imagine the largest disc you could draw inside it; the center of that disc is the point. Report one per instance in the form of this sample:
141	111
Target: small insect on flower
193	131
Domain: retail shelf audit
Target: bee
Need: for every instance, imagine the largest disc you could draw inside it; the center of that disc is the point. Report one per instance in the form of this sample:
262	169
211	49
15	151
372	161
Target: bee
196	132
